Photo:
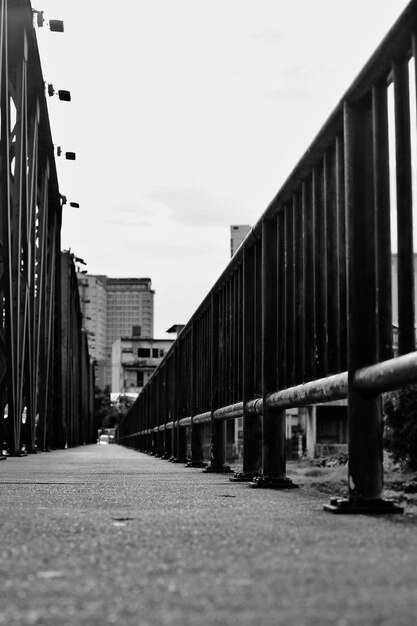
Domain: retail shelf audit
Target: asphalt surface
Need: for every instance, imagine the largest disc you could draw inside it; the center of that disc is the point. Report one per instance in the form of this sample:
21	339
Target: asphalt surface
104	535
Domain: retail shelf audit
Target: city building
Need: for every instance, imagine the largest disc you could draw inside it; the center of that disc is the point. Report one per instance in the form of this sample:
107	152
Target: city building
93	298
237	235
175	329
111	307
134	359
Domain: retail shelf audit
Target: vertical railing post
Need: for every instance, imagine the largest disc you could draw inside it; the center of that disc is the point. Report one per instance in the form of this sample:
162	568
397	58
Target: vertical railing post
151	410
218	428
148	436
197	458
176	403
182	445
383	221
252	424
364	411
273	431
404	176
180	375
174	440
160	404
140	424
167	443
165	410
185	401
173	405
142	421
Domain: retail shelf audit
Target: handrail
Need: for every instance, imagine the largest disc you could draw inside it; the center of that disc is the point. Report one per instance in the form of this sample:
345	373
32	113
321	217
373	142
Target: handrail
302	314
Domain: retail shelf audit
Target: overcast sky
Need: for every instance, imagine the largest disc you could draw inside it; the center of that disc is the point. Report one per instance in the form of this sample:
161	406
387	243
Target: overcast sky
186	117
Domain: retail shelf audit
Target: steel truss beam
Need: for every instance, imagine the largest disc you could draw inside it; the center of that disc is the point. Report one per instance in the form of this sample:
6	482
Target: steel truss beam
30	224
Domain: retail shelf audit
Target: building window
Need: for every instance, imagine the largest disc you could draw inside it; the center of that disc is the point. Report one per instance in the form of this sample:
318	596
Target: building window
144	352
155	353
139	379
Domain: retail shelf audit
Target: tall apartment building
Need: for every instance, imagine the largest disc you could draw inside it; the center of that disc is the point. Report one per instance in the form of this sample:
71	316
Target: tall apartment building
111	308
237	235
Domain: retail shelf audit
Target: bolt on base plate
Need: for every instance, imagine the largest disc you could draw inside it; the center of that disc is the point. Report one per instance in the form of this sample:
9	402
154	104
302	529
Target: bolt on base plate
343	506
211	469
243	477
272	482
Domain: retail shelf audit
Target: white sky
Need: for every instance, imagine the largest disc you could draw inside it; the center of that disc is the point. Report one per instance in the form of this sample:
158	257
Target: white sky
186	117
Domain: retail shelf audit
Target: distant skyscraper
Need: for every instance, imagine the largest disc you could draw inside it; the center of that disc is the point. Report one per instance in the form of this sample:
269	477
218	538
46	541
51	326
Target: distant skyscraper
114	308
237	235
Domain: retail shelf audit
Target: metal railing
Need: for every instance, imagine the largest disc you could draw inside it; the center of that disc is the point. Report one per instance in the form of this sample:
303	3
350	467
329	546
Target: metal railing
31	366
303	312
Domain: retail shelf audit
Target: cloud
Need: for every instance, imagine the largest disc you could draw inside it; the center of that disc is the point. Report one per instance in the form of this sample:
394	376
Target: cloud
294	84
165	250
194	206
271	36
133	216
140	214
289	92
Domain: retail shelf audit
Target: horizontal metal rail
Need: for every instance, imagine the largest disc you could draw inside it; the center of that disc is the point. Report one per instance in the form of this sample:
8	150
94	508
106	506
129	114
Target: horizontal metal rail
387	376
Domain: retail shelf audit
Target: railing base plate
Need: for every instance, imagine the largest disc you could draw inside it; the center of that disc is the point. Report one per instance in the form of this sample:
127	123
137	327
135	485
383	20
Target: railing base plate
196	464
243	477
3	457
210	469
344	506
178	460
20	453
271	482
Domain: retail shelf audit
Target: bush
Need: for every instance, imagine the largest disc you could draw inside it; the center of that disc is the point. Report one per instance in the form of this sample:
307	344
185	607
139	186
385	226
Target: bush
400	413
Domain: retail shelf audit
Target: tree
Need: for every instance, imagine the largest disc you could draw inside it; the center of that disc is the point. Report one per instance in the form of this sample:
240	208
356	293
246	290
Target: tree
103	408
400	411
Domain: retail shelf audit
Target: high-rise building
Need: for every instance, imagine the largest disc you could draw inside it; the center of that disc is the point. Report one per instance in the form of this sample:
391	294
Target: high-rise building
111	308
237	235
93	296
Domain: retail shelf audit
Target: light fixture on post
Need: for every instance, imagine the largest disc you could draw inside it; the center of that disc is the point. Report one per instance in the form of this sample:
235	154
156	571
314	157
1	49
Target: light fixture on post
62	94
70	156
55	26
74	205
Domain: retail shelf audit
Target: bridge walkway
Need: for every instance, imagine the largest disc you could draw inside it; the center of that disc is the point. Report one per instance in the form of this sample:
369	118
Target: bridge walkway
106	535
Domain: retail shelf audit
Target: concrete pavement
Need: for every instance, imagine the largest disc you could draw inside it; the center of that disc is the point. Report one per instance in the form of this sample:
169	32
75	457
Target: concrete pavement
104	535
